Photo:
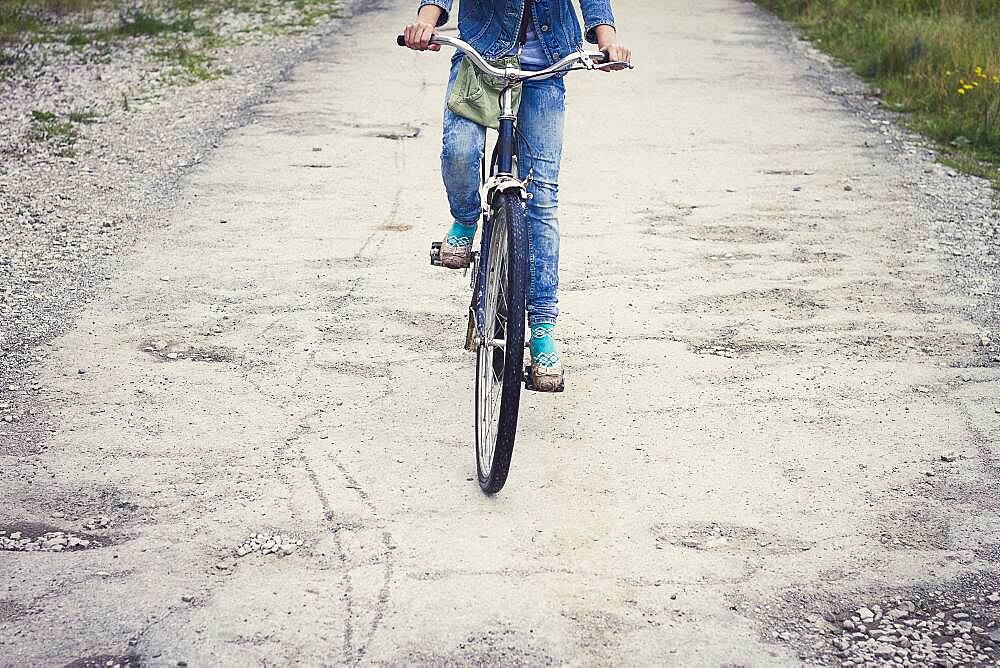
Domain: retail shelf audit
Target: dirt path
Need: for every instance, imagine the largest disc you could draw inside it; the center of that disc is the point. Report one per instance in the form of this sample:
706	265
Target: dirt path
770	341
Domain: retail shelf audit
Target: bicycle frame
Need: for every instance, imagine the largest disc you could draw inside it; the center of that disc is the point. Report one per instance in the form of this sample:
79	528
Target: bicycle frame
501	179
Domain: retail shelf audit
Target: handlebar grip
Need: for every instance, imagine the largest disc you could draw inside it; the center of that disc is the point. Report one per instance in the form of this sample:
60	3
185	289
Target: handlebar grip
401	41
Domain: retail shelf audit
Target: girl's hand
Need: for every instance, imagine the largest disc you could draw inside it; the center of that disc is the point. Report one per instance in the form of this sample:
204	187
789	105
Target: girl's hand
616	53
418	36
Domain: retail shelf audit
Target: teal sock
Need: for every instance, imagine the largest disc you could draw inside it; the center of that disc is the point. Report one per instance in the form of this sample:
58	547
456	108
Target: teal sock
460	236
543	346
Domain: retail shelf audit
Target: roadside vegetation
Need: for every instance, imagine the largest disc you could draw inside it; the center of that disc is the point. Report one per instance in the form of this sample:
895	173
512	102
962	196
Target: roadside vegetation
936	60
184	33
162	44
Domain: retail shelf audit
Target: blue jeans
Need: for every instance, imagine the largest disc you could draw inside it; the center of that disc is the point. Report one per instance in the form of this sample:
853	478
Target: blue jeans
539	153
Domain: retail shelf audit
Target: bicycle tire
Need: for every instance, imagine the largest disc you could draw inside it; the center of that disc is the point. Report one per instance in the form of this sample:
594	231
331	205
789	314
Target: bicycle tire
508	216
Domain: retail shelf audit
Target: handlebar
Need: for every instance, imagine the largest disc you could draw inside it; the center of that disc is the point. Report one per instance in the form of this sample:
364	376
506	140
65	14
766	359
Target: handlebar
590	60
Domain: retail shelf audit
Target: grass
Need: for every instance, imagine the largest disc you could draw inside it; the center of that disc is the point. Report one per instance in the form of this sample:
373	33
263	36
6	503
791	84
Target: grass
193	65
937	60
21	17
51	20
137	23
60	132
48	127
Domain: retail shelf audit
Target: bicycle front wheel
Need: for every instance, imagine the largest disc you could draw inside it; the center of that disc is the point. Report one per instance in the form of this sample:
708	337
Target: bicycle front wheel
500	353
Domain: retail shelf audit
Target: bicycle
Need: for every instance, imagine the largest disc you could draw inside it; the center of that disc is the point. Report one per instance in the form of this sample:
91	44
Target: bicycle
499	273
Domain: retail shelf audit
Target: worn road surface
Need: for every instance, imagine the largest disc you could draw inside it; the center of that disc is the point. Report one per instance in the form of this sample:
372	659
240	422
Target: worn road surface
766	354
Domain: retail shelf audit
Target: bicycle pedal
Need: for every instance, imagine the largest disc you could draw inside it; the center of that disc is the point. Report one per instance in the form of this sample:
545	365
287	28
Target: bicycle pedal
528	385
436	254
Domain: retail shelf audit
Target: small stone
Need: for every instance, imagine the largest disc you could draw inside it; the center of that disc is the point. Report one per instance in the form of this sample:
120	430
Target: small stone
994	597
187	598
949	456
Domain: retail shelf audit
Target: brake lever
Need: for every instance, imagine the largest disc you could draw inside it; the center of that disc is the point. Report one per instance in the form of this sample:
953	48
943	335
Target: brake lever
615	63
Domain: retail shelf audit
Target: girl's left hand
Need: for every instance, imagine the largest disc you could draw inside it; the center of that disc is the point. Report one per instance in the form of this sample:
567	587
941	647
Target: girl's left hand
616	53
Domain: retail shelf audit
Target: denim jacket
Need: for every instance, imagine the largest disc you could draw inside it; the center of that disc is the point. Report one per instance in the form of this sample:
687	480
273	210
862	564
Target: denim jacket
493	27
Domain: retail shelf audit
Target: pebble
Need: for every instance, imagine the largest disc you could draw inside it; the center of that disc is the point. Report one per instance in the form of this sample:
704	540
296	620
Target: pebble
279	544
51	541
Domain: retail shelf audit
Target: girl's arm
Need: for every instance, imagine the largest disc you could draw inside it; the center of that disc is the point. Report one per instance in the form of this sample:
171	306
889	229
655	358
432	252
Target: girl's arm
596	13
599	25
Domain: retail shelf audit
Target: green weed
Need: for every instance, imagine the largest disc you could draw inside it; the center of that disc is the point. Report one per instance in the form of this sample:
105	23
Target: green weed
47	127
83	117
140	23
193	64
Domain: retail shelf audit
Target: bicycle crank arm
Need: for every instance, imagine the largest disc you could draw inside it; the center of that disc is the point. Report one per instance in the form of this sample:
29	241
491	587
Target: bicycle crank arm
472	333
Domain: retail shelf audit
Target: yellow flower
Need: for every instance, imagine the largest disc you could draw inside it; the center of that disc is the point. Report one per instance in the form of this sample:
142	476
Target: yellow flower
961	91
996	79
961	82
968	87
947	73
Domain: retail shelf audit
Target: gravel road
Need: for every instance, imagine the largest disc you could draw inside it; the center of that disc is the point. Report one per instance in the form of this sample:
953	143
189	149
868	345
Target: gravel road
779	440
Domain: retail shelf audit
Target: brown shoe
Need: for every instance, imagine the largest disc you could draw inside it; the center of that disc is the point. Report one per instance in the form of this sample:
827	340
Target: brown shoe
547	378
455	257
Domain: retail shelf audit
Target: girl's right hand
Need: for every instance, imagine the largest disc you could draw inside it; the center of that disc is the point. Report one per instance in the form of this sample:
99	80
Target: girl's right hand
418	36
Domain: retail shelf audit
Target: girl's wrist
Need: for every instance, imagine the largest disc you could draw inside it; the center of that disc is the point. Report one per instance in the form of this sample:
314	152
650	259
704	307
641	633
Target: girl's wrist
430	14
606	36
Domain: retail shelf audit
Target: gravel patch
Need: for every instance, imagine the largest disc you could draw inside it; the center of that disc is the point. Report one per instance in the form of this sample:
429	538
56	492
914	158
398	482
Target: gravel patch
264	544
954	626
